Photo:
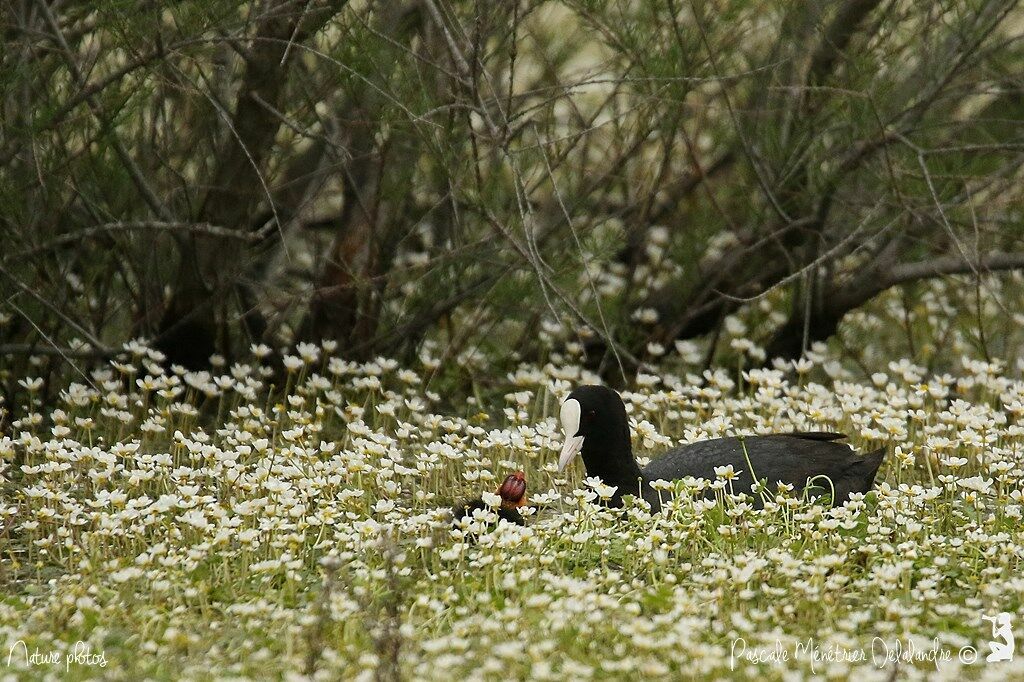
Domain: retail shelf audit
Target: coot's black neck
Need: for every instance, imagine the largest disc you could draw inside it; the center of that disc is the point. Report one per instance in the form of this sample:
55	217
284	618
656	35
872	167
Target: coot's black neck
608	454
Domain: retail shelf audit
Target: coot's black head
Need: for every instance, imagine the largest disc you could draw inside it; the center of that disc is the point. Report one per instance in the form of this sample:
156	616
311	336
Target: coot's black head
595	424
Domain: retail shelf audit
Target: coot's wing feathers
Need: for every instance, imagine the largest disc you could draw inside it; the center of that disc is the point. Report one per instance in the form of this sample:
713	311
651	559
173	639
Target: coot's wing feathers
867	466
696	459
816	435
787	458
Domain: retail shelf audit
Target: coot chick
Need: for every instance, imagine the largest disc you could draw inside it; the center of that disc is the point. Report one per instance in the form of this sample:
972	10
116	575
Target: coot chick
513	495
595	424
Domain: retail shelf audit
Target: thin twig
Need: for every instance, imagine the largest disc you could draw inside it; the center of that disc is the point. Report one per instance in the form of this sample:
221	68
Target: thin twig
72	238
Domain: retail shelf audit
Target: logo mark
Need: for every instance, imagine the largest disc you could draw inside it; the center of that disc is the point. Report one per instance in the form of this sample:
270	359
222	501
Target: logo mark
1002	644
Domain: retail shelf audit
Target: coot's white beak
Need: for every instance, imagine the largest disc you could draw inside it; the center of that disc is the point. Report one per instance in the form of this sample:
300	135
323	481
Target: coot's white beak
571	447
570	417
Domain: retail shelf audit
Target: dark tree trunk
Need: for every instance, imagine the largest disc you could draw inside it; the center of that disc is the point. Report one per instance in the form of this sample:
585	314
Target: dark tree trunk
209	265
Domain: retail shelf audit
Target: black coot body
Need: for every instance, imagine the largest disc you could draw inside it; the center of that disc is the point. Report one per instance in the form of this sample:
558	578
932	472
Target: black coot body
793	458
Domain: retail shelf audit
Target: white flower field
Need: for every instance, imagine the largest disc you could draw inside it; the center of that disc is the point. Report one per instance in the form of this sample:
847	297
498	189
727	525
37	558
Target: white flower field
186	525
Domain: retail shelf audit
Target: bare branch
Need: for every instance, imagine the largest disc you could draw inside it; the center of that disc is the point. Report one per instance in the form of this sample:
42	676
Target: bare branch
137	226
954	265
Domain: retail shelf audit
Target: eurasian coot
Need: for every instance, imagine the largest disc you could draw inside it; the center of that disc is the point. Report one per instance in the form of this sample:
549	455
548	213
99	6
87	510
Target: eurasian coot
513	496
595	424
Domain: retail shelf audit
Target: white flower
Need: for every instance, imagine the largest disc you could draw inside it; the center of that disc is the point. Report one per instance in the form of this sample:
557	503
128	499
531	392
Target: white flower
308	352
803	365
196	519
976	483
384	506
31	385
645	315
726	472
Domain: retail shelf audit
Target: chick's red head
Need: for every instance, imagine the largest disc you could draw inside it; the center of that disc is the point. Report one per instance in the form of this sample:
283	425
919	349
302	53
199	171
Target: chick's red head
513	490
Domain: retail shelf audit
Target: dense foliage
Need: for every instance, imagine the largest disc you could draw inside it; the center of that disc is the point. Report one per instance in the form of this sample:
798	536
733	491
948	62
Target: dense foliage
209	175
